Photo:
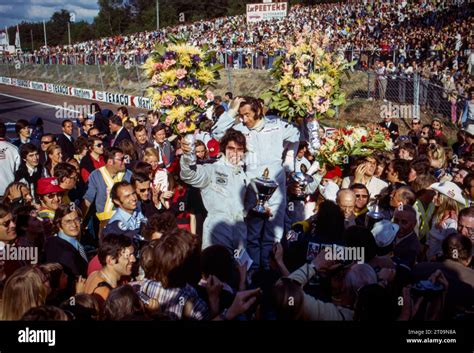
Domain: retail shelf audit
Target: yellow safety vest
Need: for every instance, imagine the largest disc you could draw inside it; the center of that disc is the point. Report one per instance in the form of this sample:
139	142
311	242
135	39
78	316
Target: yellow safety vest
364	211
425	218
46	214
109	182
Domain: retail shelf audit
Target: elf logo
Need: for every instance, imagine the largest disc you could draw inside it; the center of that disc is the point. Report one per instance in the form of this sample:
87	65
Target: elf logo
37	336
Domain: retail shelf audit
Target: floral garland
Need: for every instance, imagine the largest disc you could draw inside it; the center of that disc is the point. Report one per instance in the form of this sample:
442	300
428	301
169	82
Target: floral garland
353	141
308	79
180	75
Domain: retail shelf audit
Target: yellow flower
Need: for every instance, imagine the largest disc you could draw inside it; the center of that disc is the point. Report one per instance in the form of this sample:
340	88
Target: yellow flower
319	81
205	76
148	67
178	113
285	80
306	82
192	126
185	60
311	93
189	92
168	77
156	99
185	49
150	92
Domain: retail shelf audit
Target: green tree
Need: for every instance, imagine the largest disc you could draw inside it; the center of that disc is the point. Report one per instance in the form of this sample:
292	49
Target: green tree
57	27
113	17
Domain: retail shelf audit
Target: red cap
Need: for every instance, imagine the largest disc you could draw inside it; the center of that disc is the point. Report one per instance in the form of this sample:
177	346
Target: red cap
48	186
213	147
331	174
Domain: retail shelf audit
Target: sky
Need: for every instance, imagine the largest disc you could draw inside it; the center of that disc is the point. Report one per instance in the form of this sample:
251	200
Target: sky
13	12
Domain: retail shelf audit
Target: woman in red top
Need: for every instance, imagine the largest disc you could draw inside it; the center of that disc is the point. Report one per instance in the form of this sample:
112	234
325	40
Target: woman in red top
94	159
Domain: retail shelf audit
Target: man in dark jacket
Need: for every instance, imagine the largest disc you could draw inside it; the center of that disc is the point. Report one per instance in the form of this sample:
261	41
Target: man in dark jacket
30	171
142	140
101	118
118	132
457	252
407	246
66	141
65	248
391	127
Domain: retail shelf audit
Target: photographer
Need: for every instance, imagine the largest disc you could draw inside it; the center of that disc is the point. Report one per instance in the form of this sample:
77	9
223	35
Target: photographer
457	253
354	277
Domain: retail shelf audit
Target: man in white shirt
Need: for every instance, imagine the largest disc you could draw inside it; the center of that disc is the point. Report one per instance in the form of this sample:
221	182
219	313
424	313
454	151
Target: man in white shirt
9	160
364	174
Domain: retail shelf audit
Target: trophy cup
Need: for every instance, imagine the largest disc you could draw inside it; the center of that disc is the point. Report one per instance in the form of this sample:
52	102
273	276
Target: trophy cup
373	216
302	179
190	139
264	188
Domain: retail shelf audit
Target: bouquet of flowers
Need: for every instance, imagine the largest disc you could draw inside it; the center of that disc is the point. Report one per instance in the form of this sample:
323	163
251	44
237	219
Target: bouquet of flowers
353	141
180	75
308	79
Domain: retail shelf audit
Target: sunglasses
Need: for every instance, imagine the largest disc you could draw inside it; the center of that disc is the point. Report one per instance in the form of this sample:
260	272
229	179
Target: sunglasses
143	190
99	145
360	196
46	142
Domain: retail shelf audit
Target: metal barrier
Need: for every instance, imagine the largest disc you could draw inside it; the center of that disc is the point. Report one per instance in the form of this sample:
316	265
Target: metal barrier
232	59
416	91
123	73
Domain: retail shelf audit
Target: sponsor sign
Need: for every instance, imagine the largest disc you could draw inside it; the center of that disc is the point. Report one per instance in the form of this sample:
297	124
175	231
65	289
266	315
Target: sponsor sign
82	93
108	97
6	80
39	86
141	102
116	98
266	11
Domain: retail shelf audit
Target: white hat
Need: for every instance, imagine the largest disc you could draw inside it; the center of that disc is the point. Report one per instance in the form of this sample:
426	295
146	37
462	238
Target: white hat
384	232
329	191
469	129
450	189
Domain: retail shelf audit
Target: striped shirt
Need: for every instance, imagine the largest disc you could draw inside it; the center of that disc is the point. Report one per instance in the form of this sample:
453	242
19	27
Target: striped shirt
172	300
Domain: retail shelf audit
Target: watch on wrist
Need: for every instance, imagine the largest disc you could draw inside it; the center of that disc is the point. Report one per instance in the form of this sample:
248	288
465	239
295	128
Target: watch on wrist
223	315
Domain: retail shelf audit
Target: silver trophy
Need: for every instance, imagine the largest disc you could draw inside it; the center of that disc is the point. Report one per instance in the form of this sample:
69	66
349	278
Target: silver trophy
190	139
373	216
264	188
302	179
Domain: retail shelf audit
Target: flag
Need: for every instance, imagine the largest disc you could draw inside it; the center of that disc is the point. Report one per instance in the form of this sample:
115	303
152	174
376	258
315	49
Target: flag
17	38
6	34
3	38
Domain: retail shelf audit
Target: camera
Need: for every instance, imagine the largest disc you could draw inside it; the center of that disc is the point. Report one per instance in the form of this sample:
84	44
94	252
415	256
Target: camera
427	289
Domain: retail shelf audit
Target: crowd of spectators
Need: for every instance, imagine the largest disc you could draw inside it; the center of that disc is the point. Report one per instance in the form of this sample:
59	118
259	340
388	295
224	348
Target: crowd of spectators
118	218
400	32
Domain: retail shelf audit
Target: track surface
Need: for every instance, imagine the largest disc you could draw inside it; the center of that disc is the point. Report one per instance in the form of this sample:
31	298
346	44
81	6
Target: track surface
21	103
